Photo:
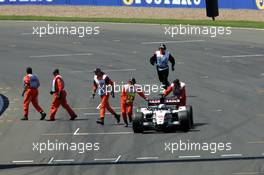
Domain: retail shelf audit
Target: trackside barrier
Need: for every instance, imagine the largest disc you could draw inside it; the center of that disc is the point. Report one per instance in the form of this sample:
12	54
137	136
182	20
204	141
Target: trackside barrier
225	4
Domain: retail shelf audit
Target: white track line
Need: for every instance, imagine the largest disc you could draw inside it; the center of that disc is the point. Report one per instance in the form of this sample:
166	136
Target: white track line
105	159
109	70
64	160
256	142
184	41
85	134
92	108
147	158
231	155
26	33
76	132
98	107
51	160
23	161
118	158
187	157
95	113
248	173
61	55
242	56
57	134
105	133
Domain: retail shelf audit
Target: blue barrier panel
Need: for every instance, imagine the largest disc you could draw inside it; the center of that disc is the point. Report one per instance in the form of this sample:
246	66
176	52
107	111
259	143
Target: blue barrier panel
33	2
96	2
226	4
166	3
238	4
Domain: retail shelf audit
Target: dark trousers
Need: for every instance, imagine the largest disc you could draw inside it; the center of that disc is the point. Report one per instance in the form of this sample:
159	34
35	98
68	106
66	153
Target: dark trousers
163	77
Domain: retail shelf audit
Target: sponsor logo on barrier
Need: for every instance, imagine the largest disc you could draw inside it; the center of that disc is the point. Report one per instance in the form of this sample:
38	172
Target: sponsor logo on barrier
128	2
260	4
162	2
26	1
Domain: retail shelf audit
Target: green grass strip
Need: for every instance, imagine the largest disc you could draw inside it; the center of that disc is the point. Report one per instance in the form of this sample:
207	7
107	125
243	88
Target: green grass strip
225	23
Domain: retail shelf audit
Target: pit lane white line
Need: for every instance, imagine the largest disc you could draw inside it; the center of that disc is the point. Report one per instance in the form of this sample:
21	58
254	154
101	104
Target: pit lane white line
248	173
51	160
231	155
64	160
85	134
187	157
61	55
26	33
104	133
95	113
256	142
92	108
184	41
147	158
98	107
76	132
23	161
105	159
242	56
118	158
109	70
115	160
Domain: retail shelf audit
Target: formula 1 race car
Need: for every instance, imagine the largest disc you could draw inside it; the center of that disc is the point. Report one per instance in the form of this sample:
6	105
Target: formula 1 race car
162	114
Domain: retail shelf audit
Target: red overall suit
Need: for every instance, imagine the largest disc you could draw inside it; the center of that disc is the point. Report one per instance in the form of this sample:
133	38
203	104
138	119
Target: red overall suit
59	98
103	83
31	94
180	93
127	98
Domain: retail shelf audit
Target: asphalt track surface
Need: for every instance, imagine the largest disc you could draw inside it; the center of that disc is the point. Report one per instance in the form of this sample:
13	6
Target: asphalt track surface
224	78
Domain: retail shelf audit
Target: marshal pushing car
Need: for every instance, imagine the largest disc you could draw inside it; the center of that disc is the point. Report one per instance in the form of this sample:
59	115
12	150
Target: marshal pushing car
163	115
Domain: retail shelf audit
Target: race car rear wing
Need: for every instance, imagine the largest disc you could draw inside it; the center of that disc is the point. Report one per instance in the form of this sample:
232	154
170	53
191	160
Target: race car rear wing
168	101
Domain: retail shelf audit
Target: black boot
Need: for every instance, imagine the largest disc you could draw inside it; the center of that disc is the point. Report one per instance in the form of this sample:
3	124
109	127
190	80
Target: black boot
100	121
43	115
126	123
130	119
117	117
24	118
74	117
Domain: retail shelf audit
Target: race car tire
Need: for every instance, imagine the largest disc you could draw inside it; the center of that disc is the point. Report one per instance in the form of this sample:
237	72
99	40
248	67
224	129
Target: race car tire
190	114
185	121
138	123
